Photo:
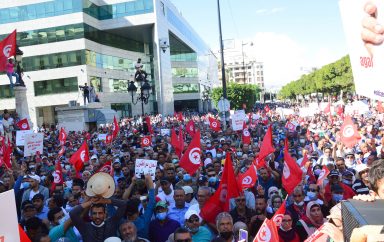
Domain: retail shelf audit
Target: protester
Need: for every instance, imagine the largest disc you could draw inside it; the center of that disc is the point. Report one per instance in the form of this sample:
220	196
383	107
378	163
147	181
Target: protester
287	233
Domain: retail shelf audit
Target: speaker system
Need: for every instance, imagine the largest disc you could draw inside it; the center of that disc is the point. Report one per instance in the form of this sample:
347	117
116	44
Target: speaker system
357	213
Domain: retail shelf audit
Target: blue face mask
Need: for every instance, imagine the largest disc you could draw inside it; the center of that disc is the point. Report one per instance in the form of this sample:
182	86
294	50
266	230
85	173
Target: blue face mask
219	155
337	197
161	216
212	180
311	195
25	185
239	154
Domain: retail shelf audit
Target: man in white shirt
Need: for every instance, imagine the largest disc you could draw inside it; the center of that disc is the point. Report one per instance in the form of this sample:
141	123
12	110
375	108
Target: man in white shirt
167	192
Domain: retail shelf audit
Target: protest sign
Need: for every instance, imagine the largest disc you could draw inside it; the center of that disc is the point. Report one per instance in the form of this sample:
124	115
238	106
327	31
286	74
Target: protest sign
9	229
367	59
33	143
102	137
165	132
238	119
144	167
20	136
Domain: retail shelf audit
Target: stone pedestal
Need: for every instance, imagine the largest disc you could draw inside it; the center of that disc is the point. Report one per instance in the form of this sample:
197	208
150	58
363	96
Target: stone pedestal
22	103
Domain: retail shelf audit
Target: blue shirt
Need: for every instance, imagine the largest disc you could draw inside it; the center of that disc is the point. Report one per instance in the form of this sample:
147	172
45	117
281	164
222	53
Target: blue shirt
43	214
177	214
142	222
160	232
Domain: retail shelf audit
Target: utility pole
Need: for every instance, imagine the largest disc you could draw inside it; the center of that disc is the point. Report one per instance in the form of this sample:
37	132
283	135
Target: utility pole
224	83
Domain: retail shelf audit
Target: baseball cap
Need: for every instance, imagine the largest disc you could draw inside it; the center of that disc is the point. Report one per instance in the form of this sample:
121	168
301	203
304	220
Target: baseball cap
27	206
35	177
161	204
202	179
38	196
334	173
361	167
187	190
348	173
187	177
191	212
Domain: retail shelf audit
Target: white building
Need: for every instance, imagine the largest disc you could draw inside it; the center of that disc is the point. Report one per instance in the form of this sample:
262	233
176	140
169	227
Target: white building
247	72
67	43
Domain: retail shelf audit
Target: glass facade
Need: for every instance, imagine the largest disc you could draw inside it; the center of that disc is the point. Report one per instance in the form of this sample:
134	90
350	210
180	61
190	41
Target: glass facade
56	86
61	7
6	92
118	85
124	109
183	56
185	88
97	83
185	72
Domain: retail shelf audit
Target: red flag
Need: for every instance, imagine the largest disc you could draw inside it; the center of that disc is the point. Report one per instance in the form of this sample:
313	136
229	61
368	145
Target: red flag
58	174
181	139
180	116
61	152
380	107
259	163
146	141
23	236
87	136
191	160
304	160
267	109
115	128
175	142
8	49
279	214
267	232
80	156
323	174
107	167
247	179
292	174
327	109
108	139
266	146
228	189
214	124
318	236
23	124
246	137
62	136
190	128
311	177
349	134
149	126
290	126
7	152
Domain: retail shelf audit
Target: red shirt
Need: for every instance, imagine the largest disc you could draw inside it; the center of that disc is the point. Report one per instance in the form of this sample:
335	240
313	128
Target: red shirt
347	194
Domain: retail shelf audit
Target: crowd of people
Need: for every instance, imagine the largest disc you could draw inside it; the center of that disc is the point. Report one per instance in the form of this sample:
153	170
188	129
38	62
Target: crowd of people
167	208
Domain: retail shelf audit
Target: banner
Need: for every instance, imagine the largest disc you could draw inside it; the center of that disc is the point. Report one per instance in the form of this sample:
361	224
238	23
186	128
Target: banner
367	58
165	132
20	136
33	143
144	167
238	119
9	229
102	137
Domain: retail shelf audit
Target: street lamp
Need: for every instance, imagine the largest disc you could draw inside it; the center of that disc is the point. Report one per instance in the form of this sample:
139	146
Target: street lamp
206	98
145	89
242	52
19	70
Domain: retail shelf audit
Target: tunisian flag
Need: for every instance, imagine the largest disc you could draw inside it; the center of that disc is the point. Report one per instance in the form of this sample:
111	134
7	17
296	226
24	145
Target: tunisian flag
115	128
176	142
23	124
323	174
292	174
246	137
267	232
190	128
146	141
247	179
58	175
266	146
62	136
191	160
214	124
149	126
108	139
279	214
228	189
348	133
80	156
7	49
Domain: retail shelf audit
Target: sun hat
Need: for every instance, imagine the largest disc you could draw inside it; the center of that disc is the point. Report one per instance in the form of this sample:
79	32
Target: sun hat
100	184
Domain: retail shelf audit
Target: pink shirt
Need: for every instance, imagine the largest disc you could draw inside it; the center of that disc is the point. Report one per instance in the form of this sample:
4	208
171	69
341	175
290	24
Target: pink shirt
10	67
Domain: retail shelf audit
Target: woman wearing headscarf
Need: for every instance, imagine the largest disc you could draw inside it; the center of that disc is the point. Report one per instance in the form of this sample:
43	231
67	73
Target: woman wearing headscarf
312	220
287	233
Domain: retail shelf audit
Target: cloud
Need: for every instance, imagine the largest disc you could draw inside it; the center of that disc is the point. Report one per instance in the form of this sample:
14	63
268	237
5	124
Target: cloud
264	11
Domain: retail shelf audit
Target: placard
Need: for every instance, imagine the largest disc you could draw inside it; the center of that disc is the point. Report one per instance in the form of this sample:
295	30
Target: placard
9	229
20	136
144	167
238	119
33	143
102	136
165	132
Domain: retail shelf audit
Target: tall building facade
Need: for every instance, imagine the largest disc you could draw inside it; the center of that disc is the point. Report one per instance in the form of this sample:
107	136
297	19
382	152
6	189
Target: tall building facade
249	72
67	43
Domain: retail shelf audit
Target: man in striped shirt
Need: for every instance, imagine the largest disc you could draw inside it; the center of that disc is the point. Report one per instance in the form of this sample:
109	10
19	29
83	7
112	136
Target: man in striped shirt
360	186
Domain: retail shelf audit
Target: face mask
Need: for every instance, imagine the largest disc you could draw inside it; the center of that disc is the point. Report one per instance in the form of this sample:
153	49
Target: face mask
226	235
337	197
317	172
209	145
312	195
347	182
25	185
299	153
239	154
219	155
67	167
161	216
300	204
32	167
194	230
175	161
302	141
212	180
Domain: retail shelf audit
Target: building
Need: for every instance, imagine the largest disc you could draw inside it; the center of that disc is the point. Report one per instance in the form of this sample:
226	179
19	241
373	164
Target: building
67	43
249	72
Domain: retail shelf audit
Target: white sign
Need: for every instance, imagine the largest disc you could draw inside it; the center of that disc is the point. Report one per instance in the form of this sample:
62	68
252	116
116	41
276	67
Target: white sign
223	105
238	119
307	112
144	167
9	229
33	143
165	132
367	59
20	136
102	137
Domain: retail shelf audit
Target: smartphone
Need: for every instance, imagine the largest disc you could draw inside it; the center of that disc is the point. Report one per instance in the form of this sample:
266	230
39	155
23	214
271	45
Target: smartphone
243	235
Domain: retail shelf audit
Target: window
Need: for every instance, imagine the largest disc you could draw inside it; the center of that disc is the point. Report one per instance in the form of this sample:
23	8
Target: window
6	92
185	88
124	109
96	82
56	86
118	85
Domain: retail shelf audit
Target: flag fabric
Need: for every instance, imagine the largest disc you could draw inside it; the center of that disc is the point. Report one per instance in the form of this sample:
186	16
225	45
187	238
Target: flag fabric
191	160
327	109
349	134
259	163
62	136
179	116
266	145
149	126
80	156
175	142
58	174
323	174
214	124
7	151
87	136
109	139
292	174
7	49
290	126
181	139
23	236
311	176
107	167
247	179
246	136
23	124
318	236
190	128
380	108
267	232
61	152
227	189
146	141
279	214
115	128
304	160
267	109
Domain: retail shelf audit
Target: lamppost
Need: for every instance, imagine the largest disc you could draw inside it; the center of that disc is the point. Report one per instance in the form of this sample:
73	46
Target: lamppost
206	98
144	93
19	70
242	52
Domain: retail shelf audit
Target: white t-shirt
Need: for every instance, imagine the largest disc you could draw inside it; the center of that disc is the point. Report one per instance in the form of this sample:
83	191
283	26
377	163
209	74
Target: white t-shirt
167	198
32	194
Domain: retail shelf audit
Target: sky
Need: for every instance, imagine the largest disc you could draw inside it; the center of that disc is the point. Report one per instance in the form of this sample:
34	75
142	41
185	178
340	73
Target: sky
289	36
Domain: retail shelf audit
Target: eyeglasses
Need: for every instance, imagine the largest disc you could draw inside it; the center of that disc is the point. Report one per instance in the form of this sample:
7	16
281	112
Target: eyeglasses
286	220
183	240
193	220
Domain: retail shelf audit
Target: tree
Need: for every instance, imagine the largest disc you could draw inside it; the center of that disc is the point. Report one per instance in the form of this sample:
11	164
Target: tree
238	94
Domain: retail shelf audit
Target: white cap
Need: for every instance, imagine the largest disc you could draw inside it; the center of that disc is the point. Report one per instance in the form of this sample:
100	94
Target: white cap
187	190
112	239
191	212
94	157
361	167
35	177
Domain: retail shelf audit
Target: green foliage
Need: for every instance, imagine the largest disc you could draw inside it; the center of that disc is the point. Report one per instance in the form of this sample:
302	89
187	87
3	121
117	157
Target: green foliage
237	95
330	79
